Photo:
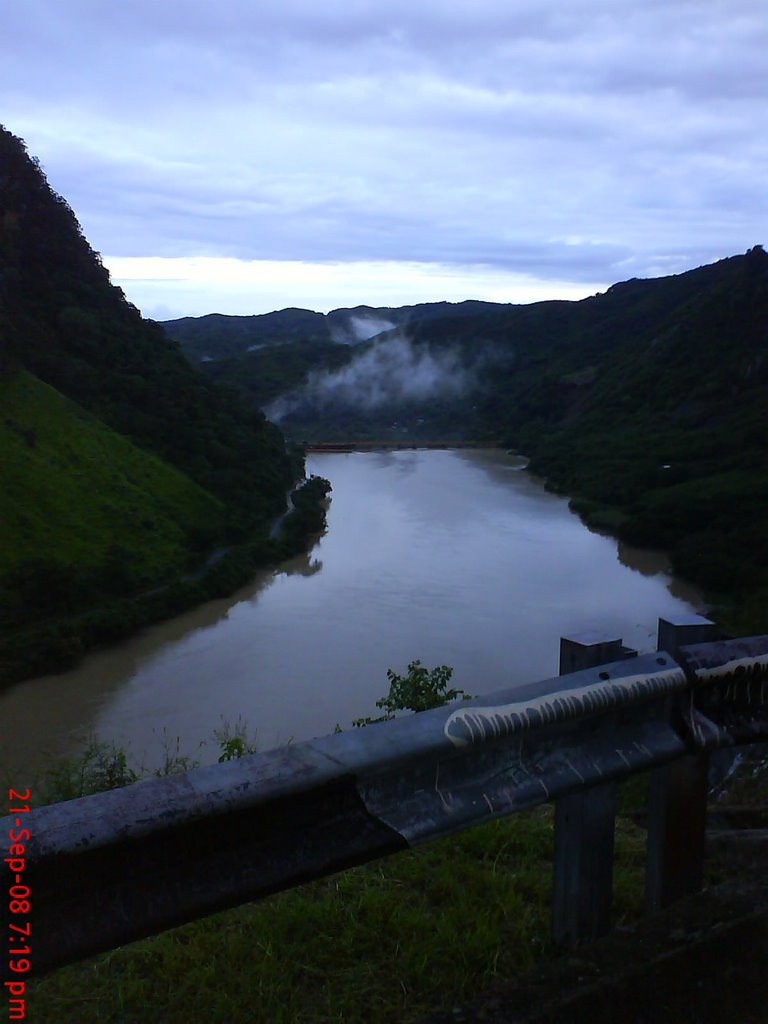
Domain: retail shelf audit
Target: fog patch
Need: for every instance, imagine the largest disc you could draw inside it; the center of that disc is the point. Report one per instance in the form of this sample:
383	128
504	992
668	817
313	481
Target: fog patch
388	372
366	327
360	328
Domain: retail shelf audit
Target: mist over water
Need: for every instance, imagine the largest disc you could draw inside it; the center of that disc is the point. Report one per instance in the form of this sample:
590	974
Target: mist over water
388	372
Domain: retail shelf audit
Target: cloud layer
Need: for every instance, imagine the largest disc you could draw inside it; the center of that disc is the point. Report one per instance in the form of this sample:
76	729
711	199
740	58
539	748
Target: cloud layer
577	142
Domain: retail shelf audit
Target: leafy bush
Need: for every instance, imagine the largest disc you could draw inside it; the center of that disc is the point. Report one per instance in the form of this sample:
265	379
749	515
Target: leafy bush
418	690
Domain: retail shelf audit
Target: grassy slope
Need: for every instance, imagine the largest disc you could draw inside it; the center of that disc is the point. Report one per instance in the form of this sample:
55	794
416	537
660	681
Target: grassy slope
424	929
63	321
77	494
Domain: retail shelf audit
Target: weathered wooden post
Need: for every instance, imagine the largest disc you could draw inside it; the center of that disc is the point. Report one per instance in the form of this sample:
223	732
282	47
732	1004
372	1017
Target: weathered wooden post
677	808
584	821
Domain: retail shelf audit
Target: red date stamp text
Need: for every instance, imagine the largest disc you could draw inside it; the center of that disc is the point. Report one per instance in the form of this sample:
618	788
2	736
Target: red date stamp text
18	902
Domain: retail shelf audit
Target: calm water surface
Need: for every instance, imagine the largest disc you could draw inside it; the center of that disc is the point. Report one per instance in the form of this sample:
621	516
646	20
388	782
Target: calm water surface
453	557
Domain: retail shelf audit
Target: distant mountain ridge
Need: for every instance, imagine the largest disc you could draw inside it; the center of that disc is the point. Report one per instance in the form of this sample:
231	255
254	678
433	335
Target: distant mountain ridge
270	355
646	403
218	335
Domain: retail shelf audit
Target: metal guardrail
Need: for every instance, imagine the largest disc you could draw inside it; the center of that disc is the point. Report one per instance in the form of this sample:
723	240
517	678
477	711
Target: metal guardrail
117	866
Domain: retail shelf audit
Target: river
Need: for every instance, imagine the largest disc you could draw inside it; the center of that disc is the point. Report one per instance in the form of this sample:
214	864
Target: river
453	557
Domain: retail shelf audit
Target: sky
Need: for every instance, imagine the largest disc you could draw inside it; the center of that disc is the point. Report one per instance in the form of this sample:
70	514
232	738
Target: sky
241	156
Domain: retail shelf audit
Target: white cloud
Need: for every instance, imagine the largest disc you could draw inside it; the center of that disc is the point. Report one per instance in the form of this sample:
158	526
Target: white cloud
170	288
442	132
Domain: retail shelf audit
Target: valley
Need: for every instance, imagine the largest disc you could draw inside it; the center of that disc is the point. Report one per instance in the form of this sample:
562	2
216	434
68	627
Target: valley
134	450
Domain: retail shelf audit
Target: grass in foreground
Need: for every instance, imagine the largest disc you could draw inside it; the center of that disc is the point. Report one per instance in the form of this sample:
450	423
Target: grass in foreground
419	931
422	930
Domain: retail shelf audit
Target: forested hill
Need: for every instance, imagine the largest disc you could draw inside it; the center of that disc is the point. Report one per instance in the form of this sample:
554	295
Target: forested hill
484	369
646	403
656	421
122	468
217	336
64	322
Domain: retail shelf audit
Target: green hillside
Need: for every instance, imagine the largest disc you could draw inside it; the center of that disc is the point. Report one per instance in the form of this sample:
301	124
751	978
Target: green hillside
65	322
99	538
216	336
646	404
665	439
266	373
79	497
121	467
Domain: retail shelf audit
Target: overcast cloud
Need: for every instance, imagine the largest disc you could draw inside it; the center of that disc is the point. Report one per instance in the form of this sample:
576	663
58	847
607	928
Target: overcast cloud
242	156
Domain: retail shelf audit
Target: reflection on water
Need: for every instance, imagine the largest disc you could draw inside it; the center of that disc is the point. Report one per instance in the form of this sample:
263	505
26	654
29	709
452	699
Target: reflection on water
644	560
56	714
452	557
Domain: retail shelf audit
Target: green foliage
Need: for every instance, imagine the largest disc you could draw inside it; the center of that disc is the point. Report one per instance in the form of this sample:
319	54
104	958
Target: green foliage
425	930
418	690
234	741
306	518
101	766
216	337
645	404
84	512
54	644
232	749
65	323
265	374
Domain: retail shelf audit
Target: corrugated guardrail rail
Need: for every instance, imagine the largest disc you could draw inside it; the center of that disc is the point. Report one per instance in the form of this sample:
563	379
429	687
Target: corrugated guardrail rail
106	869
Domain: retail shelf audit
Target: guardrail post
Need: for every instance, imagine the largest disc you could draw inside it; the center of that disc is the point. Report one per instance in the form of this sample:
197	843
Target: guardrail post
584	822
677	806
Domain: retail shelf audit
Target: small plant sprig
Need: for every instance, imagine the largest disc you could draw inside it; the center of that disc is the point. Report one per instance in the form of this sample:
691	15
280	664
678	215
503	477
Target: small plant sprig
418	690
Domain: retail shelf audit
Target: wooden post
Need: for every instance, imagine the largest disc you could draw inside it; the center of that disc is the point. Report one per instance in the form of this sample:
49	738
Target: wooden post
677	808
584	822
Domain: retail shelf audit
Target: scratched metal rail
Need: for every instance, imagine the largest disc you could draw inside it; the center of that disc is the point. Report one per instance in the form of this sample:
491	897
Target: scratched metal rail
107	869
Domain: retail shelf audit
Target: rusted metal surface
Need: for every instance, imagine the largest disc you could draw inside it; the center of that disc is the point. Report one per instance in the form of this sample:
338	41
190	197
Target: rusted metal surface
729	688
516	749
117	866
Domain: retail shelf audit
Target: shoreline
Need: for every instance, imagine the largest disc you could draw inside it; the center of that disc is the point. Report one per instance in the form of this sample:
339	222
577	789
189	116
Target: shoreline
56	645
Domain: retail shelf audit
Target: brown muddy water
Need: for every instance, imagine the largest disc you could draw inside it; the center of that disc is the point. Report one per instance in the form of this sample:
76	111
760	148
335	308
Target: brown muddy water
453	557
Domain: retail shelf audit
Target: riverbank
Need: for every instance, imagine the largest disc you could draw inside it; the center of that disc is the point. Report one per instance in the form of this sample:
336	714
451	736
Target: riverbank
57	644
451	557
735	597
732	579
708	515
